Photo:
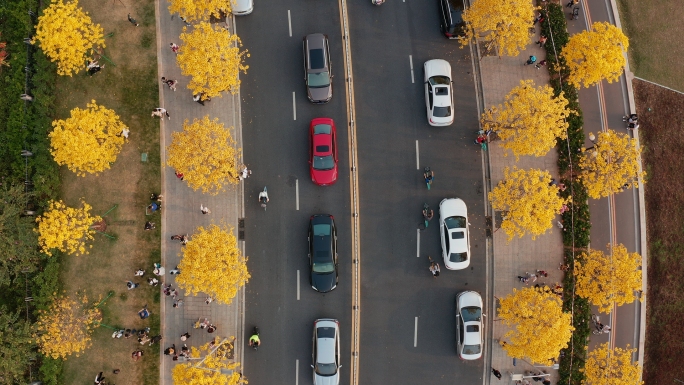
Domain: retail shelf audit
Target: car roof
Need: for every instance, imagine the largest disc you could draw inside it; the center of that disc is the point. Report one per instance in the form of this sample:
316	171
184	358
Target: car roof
472	338
326	351
458	243
320	140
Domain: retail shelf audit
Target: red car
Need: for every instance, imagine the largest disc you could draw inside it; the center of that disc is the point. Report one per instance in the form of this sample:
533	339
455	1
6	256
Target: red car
323	151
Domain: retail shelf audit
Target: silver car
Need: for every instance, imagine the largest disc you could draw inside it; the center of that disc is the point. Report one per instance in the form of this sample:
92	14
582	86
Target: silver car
317	68
326	352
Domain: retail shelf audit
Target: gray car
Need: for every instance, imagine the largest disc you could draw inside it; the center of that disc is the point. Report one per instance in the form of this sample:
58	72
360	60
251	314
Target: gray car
317	68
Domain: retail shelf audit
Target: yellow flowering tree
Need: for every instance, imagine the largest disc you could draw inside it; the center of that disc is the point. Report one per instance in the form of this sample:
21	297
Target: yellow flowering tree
611	165
211	56
213	369
595	55
505	24
65	228
606	366
66	326
540	328
205	153
198	10
67	35
89	141
213	264
529	202
607	279
530	120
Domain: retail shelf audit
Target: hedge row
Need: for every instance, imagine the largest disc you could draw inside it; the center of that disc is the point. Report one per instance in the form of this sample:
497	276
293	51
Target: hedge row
576	221
24	126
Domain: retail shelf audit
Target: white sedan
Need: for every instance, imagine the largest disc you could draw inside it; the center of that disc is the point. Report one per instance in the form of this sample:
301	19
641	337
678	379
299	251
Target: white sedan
469	333
439	97
453	223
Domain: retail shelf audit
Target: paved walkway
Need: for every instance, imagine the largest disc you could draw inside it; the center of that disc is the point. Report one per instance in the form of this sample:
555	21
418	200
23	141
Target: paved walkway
499	77
181	205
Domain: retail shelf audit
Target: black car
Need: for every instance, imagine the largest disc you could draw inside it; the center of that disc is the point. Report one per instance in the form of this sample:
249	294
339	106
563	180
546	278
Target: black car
317	68
452	18
323	252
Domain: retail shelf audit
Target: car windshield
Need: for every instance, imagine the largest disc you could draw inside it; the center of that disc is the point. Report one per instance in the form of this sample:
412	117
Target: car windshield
326	369
439	80
442	112
458	257
322	129
471	314
318	80
322	263
472	349
455	223
321	230
323	162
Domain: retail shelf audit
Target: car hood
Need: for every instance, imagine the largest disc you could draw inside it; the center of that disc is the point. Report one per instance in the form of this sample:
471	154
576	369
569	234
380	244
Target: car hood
323	282
324	177
452	208
329	380
320	94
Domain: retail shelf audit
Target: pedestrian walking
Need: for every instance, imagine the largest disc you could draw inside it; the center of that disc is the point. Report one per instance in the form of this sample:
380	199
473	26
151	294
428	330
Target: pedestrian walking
131	285
99	379
632	126
175	271
542	273
211	329
201	98
523	279
167	290
204	209
531	60
184	21
185	336
572	2
174	293
179	175
540	64
563	267
149	226
132	20
161	112
93	67
208	300
174	48
496	373
244	173
177	303
170	350
539	18
171	83
632	118
542	40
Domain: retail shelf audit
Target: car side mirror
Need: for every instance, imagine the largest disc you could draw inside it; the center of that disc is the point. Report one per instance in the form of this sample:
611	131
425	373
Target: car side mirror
313	366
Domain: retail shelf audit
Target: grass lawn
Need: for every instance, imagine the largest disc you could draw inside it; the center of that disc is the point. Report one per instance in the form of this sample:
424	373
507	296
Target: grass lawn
661	120
130	88
656	49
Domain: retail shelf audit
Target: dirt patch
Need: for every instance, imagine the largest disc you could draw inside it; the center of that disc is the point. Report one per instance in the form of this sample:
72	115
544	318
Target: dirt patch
128	85
661	121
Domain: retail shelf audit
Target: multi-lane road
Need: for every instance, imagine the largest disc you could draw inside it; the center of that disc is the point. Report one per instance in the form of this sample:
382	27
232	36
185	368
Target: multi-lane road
406	317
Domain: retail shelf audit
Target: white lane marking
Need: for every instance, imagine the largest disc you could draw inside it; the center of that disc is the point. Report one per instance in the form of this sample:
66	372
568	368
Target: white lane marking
418	243
411	62
298	281
297	372
294	106
415	334
297	194
289	22
417	156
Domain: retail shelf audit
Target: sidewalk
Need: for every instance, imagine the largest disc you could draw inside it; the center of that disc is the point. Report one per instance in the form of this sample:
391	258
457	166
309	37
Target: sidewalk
181	205
520	255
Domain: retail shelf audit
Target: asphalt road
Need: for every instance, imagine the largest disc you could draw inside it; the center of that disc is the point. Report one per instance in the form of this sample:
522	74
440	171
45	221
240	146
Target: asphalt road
276	149
391	125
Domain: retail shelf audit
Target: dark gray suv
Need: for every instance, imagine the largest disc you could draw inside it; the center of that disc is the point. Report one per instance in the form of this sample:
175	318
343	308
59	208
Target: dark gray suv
317	68
452	18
